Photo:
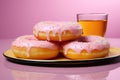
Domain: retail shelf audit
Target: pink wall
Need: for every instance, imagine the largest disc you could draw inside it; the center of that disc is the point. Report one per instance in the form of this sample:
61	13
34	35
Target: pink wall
17	17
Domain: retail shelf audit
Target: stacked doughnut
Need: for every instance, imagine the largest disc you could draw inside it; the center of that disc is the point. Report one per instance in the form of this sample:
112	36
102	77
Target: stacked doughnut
49	37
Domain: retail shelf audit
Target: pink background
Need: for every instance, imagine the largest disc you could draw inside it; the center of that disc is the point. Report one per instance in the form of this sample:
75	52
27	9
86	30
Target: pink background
17	17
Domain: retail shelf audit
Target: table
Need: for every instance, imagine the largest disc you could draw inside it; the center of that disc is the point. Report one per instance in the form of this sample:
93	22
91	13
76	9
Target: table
12	71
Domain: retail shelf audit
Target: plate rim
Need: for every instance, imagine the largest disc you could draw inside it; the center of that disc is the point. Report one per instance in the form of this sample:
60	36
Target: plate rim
61	63
61	60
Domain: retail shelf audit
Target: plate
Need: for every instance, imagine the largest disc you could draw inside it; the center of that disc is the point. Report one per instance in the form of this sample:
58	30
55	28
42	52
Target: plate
113	57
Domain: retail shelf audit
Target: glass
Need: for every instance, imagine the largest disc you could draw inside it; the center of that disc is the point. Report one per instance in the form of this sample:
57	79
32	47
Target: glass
93	23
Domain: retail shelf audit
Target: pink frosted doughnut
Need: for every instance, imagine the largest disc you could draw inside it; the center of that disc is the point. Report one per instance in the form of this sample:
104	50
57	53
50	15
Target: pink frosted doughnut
29	47
87	47
57	31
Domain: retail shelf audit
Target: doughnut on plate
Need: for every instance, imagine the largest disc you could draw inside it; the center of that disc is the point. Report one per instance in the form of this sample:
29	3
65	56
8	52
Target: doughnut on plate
113	57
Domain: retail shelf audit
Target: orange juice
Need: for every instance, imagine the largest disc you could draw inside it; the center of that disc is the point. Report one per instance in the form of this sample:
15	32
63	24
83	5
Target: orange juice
93	27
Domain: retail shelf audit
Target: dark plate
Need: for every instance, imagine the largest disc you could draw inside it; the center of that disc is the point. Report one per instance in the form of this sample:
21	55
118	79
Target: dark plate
113	57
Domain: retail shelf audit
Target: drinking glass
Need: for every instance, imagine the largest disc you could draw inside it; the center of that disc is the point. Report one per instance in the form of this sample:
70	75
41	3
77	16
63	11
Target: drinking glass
93	23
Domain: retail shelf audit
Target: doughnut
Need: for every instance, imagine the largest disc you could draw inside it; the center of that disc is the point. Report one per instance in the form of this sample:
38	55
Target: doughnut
28	47
87	47
57	31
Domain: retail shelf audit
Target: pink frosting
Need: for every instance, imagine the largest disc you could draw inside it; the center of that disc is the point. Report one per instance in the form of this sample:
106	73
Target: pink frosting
87	43
57	27
29	41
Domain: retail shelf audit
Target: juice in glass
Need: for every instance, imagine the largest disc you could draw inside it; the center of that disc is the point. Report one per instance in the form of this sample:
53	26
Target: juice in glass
93	24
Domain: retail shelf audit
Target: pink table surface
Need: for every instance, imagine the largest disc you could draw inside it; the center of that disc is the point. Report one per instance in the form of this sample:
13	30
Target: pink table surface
12	71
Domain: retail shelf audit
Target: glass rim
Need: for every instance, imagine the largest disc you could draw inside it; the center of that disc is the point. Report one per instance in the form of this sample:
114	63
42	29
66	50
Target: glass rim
92	14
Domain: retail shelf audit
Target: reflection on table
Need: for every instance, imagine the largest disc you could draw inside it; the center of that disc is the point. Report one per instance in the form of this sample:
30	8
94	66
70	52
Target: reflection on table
23	72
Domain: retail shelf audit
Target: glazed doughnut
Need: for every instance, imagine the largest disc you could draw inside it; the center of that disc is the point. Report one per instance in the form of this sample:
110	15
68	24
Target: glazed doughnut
87	47
29	47
57	31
